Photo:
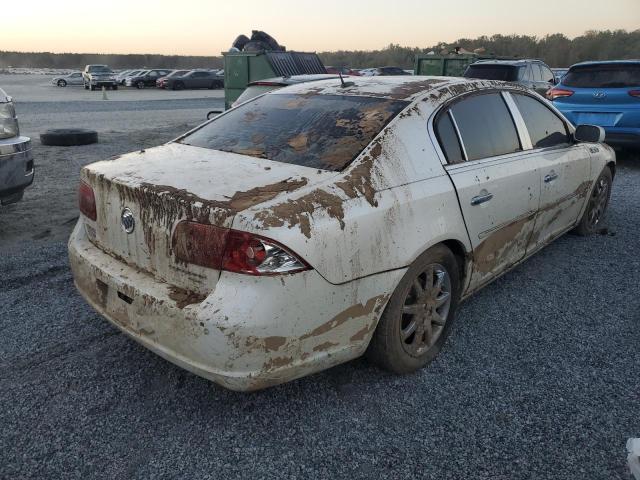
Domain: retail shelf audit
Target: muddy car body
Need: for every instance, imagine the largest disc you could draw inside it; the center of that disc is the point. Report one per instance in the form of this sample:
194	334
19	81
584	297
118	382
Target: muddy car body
16	158
282	237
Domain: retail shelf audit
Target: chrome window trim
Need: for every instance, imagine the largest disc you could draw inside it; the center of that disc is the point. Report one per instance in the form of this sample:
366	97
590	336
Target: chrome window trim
460	142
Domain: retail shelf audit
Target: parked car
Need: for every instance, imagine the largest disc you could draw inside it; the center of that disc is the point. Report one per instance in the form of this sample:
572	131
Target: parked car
383	71
121	78
16	157
605	94
98	76
367	72
161	82
196	79
533	74
263	86
146	79
342	70
74	78
316	222
558	73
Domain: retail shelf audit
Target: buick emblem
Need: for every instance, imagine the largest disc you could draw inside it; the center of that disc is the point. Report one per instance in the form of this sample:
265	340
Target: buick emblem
127	221
599	94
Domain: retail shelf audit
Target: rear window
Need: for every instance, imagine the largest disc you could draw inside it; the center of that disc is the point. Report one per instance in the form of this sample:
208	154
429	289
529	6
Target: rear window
603	76
507	73
318	131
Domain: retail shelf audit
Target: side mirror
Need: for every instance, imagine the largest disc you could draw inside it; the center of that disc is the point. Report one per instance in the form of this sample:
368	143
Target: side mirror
589	134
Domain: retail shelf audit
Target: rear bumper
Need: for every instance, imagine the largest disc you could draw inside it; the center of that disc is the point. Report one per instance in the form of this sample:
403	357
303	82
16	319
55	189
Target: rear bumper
622	137
249	333
16	168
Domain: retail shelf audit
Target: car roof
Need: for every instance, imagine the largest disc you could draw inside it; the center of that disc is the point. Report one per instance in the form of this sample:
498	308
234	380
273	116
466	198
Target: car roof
516	62
397	87
295	79
605	62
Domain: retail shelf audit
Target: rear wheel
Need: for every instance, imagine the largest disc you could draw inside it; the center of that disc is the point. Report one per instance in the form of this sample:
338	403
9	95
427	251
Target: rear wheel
597	205
418	317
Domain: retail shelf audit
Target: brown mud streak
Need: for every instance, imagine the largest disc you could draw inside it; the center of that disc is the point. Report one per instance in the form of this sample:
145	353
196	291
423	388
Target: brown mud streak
299	211
324	346
493	249
185	297
358	181
354	311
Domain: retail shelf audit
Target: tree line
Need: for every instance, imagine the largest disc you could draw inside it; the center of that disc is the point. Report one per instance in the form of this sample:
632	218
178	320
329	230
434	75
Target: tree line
557	50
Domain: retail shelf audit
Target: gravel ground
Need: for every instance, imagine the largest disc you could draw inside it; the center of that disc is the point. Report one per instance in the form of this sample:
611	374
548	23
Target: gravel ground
539	378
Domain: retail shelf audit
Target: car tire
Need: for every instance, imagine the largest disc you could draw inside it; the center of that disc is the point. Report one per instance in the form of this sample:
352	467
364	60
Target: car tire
86	87
62	83
140	85
419	314
597	204
67	137
114	87
178	86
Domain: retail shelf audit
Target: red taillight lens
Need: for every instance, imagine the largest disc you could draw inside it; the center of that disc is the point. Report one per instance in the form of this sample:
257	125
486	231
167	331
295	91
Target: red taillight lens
554	93
634	93
87	201
233	251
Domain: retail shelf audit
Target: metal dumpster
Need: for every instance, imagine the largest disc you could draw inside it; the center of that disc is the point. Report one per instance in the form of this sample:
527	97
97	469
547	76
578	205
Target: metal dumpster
241	68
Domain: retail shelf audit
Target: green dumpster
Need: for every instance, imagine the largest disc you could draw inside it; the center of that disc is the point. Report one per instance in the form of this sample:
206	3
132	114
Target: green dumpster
448	65
242	68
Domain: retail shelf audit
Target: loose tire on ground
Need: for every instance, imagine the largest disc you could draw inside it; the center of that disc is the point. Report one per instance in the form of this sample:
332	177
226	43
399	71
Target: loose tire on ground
67	137
391	347
597	204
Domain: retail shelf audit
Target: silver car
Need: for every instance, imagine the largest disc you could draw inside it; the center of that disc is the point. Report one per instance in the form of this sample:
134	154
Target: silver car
16	158
74	78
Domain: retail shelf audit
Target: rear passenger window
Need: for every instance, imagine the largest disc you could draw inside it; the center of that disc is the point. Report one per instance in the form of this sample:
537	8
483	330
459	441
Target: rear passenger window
545	127
537	73
486	126
448	139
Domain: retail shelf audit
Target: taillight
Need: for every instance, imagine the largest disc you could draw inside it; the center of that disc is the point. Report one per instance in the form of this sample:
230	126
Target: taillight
554	93
634	93
233	251
87	201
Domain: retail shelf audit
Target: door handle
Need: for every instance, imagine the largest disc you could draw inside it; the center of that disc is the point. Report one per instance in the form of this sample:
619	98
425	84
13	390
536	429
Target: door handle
550	177
478	199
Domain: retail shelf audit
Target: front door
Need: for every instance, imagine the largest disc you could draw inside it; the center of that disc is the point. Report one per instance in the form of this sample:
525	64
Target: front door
564	167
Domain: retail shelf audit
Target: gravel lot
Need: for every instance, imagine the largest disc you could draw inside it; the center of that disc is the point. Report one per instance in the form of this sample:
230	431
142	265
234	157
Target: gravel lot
539	378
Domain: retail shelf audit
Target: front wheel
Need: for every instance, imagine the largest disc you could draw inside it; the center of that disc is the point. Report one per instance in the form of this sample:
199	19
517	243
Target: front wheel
596	205
62	83
418	317
140	85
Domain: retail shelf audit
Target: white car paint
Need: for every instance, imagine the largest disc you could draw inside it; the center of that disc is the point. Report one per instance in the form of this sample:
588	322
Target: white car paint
359	229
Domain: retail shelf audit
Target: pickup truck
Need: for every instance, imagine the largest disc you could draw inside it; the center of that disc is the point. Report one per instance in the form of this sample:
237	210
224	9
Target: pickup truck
98	76
16	158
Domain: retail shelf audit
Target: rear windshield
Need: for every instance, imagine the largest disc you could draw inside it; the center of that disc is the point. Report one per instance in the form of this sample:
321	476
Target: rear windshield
318	131
603	76
507	73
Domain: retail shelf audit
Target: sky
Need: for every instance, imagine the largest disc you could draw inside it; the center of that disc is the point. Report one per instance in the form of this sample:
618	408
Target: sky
201	27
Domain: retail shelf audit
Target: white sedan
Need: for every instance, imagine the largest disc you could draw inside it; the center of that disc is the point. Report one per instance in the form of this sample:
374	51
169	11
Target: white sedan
324	220
74	78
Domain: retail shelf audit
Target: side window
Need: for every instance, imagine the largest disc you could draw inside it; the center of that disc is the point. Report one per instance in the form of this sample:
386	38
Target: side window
486	126
547	75
545	128
537	74
448	138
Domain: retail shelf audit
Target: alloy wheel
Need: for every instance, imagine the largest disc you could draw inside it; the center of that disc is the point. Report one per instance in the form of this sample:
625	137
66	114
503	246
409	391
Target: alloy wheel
598	202
425	310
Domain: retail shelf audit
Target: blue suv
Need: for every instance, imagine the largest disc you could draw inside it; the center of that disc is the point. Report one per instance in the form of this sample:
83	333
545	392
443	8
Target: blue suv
603	93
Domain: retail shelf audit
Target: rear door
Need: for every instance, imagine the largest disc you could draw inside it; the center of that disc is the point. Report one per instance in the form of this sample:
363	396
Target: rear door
498	186
565	168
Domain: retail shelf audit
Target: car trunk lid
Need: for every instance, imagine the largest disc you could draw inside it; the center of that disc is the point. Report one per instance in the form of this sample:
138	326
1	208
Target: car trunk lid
168	184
